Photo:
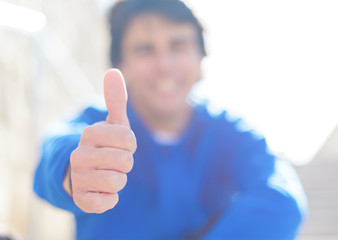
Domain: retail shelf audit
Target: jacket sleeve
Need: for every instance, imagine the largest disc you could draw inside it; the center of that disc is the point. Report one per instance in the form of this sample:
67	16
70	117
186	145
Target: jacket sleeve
270	202
50	171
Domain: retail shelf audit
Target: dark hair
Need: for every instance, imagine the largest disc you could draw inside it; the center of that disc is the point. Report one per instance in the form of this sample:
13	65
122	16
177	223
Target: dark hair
125	10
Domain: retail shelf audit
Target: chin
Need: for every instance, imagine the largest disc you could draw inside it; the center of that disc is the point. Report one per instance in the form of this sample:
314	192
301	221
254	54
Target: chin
167	110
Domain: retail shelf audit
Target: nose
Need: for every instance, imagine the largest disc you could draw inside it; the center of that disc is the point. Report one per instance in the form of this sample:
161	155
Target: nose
164	61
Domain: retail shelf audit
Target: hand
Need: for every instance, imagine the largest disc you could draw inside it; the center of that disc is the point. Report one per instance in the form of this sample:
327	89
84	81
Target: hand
105	153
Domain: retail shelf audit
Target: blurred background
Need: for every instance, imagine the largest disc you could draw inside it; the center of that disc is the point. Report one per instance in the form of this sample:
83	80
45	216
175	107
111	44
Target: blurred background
275	63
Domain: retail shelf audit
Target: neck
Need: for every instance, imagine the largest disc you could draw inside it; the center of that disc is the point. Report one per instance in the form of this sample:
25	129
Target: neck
173	123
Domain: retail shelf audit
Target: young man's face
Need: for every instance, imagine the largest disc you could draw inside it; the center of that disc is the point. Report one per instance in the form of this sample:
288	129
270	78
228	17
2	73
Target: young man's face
161	62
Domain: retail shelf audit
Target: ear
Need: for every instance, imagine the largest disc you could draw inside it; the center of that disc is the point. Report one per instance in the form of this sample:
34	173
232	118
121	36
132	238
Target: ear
200	72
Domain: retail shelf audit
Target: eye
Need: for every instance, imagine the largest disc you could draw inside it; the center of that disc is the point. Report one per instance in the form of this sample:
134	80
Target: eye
179	46
144	50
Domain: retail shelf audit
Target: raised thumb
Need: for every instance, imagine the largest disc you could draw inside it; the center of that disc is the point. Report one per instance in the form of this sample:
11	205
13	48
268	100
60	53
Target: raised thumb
115	95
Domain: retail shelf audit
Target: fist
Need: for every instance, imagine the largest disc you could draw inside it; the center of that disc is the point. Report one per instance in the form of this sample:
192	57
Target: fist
104	156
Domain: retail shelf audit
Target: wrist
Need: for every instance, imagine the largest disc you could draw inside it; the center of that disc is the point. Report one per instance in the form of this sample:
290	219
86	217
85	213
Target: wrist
67	181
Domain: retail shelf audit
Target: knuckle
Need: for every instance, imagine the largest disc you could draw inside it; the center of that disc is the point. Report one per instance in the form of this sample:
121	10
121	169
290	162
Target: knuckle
118	181
77	181
76	198
92	205
96	205
87	133
79	201
115	199
110	183
130	140
88	204
75	157
79	158
128	161
123	179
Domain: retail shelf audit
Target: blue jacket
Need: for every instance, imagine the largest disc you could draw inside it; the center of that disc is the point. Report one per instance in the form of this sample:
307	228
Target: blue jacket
218	182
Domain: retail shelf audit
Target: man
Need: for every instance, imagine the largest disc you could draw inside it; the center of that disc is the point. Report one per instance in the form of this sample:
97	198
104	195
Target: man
194	175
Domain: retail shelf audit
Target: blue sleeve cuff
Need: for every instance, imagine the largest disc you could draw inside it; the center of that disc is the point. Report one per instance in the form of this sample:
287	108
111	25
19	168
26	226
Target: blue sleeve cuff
48	180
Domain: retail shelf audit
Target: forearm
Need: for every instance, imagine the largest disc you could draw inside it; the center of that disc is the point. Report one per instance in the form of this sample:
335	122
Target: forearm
273	209
50	176
263	214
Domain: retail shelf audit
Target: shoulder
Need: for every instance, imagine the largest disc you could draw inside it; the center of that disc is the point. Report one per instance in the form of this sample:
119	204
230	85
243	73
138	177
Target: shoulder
74	122
90	114
226	124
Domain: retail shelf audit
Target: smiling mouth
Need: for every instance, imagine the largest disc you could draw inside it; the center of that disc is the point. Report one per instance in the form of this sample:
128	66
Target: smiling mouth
166	86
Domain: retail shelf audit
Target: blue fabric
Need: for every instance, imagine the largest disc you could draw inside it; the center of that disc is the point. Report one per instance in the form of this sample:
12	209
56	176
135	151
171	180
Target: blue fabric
218	182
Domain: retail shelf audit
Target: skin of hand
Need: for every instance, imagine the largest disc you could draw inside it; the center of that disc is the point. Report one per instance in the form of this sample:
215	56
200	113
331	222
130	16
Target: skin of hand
104	156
